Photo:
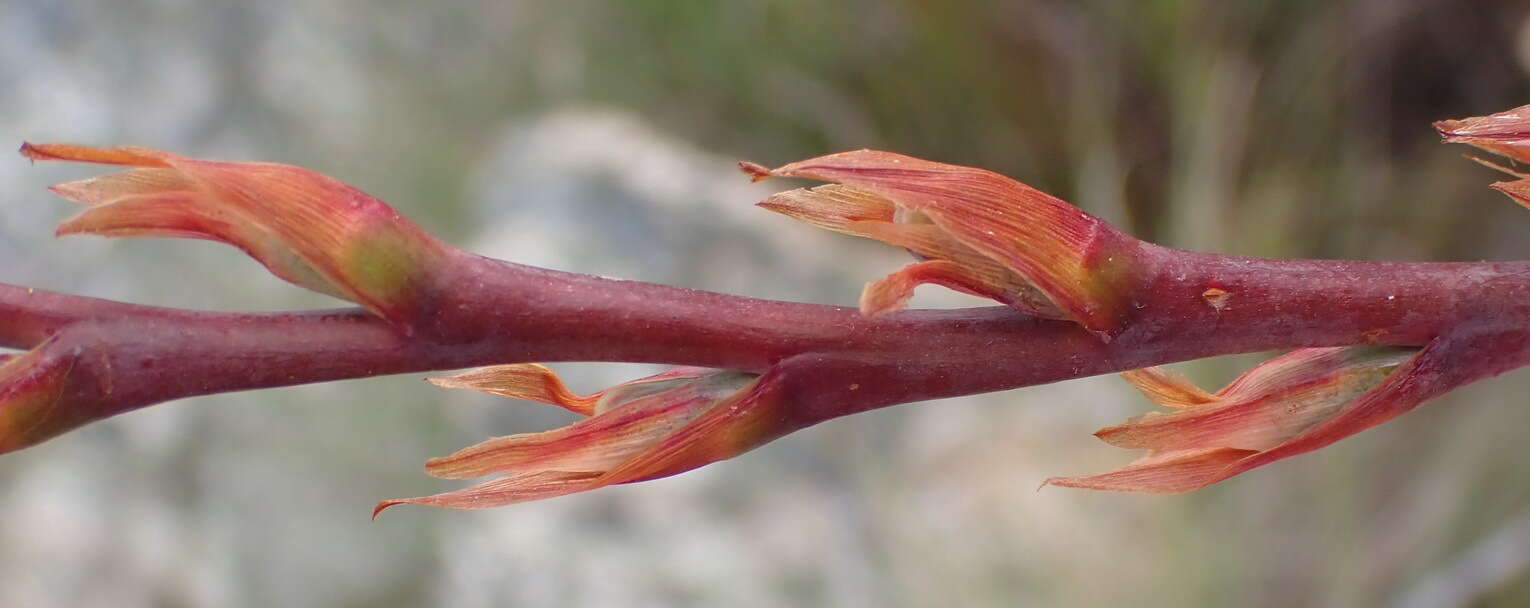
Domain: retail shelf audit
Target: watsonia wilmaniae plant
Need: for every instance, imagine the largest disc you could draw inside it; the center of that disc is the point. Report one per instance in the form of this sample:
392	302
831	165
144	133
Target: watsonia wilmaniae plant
1372	339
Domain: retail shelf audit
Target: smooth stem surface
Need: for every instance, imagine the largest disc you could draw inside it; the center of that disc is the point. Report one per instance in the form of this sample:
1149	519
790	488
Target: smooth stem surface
482	311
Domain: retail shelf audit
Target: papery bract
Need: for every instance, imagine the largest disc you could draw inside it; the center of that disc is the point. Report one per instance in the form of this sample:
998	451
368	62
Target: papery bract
1506	133
946	261
1213	436
652	427
307	228
1002	239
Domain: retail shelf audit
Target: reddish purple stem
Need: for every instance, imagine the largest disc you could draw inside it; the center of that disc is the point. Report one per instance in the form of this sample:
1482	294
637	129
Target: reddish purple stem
484	311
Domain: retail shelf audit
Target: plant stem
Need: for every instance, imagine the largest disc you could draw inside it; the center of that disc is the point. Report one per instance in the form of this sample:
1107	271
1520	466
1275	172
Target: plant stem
482	311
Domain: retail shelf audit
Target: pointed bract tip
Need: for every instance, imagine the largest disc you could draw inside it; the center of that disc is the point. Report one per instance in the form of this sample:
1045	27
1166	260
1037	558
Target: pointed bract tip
121	155
1505	133
1167	388
755	171
1162	474
1518	190
1513	123
382	506
527	381
1501	168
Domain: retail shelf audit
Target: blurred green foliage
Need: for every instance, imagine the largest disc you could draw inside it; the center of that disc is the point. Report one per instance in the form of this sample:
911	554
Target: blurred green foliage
1282	126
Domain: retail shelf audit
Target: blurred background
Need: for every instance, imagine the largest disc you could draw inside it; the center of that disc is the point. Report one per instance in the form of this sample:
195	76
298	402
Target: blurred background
600	137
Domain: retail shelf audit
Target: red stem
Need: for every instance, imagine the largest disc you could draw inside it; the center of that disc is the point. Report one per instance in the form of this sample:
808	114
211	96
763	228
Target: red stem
484	311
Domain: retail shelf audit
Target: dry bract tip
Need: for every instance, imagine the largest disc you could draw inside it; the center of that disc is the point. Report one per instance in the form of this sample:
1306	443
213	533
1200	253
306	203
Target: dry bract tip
1506	134
756	171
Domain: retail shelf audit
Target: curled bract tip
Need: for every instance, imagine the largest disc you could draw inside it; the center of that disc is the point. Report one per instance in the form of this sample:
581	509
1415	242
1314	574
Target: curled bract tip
974	231
305	227
647	428
528	381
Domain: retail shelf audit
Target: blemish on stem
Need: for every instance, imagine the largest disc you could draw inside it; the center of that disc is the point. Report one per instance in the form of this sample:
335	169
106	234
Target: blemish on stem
1216	298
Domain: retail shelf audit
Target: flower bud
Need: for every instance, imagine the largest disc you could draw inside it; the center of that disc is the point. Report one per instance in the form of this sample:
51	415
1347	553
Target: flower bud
305	227
648	428
985	234
1267	410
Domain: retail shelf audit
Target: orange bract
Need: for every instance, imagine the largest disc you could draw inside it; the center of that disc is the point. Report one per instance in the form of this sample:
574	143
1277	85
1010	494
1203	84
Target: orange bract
651	427
999	238
1506	134
305	227
1210	436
